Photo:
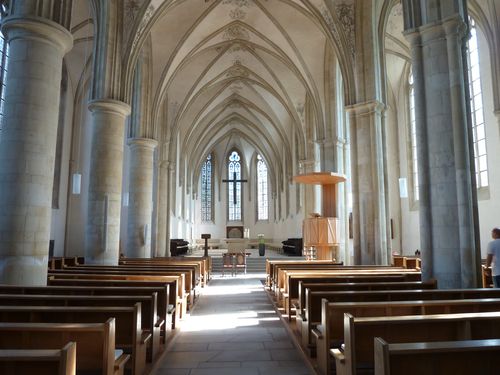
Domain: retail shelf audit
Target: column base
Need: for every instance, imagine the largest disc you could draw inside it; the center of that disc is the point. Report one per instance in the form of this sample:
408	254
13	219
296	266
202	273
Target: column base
28	270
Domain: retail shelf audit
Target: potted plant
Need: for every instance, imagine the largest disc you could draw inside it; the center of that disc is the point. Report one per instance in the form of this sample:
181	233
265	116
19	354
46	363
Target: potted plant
262	245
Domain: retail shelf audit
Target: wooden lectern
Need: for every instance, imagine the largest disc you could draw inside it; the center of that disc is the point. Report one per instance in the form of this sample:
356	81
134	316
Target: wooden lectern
322	232
206	237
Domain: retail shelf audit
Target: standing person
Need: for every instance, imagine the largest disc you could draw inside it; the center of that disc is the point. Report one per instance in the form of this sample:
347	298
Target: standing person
493	251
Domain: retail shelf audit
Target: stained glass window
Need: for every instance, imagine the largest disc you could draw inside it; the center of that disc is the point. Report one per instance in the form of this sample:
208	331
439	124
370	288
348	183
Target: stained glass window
413	138
206	190
476	105
262	196
234	188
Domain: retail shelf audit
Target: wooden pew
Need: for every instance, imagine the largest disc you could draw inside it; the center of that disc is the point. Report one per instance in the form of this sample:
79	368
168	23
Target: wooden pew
129	335
486	277
382	291
39	361
191	272
399	261
462	357
281	271
284	275
61	262
271	265
95	342
166	304
149	304
330	333
130	274
358	350
314	301
205	264
299	304
176	284
291	290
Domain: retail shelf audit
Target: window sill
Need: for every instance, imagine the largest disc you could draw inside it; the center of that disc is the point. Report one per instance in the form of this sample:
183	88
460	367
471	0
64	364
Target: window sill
483	193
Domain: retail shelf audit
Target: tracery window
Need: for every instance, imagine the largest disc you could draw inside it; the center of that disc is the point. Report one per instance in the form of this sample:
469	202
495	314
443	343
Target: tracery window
207	190
234	188
262	192
477	112
413	138
4	54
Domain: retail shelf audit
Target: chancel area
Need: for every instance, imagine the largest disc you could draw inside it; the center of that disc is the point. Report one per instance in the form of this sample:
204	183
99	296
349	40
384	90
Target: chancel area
141	140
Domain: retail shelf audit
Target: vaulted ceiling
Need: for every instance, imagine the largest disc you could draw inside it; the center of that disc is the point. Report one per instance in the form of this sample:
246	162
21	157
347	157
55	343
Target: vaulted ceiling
227	71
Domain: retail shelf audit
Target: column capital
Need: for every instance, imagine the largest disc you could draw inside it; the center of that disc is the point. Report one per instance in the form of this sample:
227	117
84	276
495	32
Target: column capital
148	143
413	37
365	108
37	28
455	25
110	105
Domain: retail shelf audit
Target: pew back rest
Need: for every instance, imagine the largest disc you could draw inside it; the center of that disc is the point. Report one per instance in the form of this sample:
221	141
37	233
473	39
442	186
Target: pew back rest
293	279
340	287
360	332
39	361
149	304
127	319
95	341
313	298
175	282
118	275
332	313
442	357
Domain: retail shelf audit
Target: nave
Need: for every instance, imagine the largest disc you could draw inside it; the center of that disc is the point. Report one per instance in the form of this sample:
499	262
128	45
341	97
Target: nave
233	329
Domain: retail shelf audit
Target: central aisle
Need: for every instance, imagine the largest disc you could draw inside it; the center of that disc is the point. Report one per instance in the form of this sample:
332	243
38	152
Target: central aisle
233	329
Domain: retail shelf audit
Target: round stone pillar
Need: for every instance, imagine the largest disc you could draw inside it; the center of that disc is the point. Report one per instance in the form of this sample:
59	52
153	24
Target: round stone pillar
28	144
102	235
140	197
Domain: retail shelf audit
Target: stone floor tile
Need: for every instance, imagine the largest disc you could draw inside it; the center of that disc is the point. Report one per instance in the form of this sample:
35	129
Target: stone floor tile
260	364
242	355
219	364
225	371
173	371
236	346
190	347
285	354
278	345
225	335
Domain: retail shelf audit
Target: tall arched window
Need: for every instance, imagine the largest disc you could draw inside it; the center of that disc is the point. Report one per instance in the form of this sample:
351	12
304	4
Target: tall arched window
262	197
413	138
207	190
476	105
234	188
4	54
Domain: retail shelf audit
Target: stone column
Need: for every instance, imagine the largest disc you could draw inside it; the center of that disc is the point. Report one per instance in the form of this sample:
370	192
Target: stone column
446	177
102	234
140	197
27	146
368	191
163	210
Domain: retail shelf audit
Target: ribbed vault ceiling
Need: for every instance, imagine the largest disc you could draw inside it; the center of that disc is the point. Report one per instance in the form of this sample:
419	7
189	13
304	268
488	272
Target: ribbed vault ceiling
238	68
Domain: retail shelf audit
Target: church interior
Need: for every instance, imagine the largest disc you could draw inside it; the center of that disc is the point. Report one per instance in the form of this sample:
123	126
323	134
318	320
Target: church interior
148	145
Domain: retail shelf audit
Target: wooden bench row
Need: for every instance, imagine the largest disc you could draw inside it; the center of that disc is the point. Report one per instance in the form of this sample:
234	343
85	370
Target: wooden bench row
322	311
38	361
139	307
462	357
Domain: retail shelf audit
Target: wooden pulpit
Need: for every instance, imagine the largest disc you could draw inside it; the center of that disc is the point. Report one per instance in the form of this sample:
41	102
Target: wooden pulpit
322	231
